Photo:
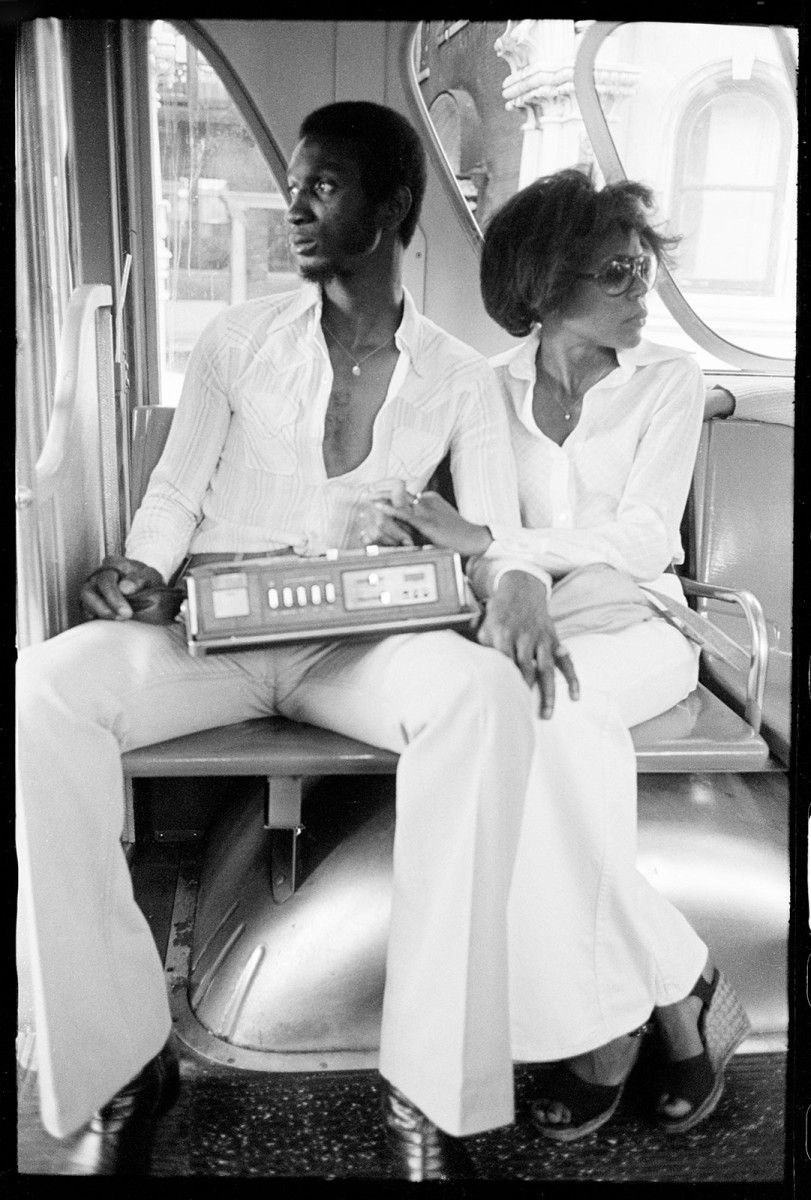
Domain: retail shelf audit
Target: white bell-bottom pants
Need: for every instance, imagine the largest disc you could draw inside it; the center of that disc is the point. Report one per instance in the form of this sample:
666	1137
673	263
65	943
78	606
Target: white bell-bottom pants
520	927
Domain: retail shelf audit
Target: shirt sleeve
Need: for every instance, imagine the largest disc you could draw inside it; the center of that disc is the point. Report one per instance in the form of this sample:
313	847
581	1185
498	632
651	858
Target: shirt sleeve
643	538
172	506
485	481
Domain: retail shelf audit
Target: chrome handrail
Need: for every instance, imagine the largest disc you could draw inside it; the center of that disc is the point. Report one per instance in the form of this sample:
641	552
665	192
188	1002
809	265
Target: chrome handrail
759	637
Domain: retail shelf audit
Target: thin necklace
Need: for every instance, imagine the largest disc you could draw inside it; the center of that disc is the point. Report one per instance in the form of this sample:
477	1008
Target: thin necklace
355	361
564	408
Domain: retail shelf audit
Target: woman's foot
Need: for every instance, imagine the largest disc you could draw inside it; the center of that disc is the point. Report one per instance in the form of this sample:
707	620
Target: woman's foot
700	1035
582	1093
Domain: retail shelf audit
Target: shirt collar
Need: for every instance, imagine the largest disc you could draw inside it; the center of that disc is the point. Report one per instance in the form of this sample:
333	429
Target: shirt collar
307	304
520	361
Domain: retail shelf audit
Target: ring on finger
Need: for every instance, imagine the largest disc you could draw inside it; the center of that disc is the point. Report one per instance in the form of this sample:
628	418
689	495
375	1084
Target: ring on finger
415	499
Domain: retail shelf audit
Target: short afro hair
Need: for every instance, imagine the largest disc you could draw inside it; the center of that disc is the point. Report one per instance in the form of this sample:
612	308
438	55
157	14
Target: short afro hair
388	149
536	243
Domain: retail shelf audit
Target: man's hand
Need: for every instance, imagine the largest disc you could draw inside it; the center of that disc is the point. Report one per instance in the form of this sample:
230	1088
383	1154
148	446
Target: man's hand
105	591
518	624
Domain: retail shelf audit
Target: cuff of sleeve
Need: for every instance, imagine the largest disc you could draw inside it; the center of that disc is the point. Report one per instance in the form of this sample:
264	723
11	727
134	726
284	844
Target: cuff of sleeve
527	568
165	566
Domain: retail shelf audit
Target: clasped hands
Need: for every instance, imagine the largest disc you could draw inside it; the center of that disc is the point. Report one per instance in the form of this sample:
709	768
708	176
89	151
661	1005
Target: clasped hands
516	621
124	589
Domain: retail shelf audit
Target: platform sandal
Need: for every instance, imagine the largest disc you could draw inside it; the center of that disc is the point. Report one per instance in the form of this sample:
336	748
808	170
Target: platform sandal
589	1105
699	1080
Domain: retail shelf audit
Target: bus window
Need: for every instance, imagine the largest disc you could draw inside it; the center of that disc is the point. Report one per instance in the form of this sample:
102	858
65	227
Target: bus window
709	120
219	215
703	114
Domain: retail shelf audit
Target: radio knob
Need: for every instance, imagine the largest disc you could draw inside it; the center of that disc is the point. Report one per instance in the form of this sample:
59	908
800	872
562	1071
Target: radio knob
329	593
374	578
273	597
315	594
287	597
301	595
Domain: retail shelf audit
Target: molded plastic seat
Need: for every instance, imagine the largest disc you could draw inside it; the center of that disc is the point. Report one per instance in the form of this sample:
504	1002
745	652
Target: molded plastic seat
699	734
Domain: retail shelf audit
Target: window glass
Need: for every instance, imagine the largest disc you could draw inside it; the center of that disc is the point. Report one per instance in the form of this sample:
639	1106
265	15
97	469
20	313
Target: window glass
220	227
709	121
703	114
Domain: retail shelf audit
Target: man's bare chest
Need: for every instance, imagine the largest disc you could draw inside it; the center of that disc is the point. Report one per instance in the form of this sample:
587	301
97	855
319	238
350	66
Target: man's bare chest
352	408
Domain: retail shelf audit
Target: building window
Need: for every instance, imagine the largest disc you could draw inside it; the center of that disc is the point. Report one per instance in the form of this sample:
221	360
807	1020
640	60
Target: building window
732	148
458	126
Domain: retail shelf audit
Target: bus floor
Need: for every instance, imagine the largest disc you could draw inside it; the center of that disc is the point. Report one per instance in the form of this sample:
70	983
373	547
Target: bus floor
326	1124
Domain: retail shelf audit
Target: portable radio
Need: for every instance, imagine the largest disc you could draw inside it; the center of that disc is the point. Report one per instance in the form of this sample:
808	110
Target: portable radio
352	594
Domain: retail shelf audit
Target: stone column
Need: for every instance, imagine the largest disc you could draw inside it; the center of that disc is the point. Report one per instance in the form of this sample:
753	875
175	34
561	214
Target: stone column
542	55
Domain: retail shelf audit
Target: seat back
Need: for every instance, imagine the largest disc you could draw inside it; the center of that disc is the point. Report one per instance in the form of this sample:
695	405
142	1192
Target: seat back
742	521
150	429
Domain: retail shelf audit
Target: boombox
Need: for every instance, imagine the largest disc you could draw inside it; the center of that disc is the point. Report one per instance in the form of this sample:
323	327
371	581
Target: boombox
348	594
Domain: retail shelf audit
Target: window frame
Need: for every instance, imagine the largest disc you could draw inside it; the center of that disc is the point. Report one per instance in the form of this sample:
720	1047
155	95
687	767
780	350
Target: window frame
610	164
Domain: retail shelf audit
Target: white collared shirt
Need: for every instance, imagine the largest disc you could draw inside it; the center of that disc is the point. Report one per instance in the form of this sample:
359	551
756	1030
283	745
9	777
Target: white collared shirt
615	491
243	468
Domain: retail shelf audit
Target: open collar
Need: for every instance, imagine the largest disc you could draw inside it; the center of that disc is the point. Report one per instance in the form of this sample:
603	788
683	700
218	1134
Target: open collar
308	303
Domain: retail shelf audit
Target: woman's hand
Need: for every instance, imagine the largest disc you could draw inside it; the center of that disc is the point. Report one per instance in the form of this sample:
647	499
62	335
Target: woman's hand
105	592
518	624
437	522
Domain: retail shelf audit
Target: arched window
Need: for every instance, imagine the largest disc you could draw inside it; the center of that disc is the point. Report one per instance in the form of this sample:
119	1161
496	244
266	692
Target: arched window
729	197
459	128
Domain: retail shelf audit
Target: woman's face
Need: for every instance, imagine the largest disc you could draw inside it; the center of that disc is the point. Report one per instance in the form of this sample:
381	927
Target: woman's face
589	315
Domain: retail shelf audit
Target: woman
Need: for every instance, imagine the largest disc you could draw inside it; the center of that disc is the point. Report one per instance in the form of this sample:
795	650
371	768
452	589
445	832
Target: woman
605	427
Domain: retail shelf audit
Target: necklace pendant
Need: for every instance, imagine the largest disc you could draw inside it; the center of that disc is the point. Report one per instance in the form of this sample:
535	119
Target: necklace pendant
567	416
356	369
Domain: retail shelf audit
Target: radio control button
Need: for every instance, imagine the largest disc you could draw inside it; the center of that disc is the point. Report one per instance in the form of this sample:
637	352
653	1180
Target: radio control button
315	594
273	597
385	597
374	577
301	595
287	597
329	593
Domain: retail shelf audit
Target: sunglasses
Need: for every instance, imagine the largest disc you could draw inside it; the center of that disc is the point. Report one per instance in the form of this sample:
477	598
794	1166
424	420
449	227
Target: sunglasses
615	275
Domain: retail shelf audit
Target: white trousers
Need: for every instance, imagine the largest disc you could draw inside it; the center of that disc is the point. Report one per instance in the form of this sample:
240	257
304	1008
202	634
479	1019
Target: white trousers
485	962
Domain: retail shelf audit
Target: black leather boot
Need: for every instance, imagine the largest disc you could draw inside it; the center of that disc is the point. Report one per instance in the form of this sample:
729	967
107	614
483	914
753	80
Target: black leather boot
418	1149
118	1139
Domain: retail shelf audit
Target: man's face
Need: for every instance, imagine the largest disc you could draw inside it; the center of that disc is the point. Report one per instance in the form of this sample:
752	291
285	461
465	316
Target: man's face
334	228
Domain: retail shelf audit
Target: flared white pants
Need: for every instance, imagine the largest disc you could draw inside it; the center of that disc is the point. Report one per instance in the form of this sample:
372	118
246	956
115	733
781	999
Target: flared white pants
520	927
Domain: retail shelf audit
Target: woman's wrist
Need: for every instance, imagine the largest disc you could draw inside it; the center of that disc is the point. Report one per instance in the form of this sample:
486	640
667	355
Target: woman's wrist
480	541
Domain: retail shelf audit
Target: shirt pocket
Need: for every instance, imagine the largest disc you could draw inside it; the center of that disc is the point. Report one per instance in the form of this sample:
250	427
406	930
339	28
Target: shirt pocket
267	433
414	452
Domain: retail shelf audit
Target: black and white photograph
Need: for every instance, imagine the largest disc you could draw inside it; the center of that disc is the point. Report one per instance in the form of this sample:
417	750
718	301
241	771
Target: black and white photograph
410	660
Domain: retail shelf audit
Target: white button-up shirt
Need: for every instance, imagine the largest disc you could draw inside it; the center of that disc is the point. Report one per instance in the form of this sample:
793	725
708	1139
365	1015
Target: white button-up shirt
615	491
243	468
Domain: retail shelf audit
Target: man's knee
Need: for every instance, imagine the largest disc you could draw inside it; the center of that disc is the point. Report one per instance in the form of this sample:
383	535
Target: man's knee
57	673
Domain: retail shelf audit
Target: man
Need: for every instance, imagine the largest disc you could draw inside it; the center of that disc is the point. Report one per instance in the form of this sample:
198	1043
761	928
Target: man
293	408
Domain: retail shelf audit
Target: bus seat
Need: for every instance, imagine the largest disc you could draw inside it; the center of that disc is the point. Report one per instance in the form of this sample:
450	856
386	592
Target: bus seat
700	734
278	962
744	539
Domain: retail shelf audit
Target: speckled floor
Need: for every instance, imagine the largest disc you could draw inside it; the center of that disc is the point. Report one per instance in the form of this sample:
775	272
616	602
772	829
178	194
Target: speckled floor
326	1125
